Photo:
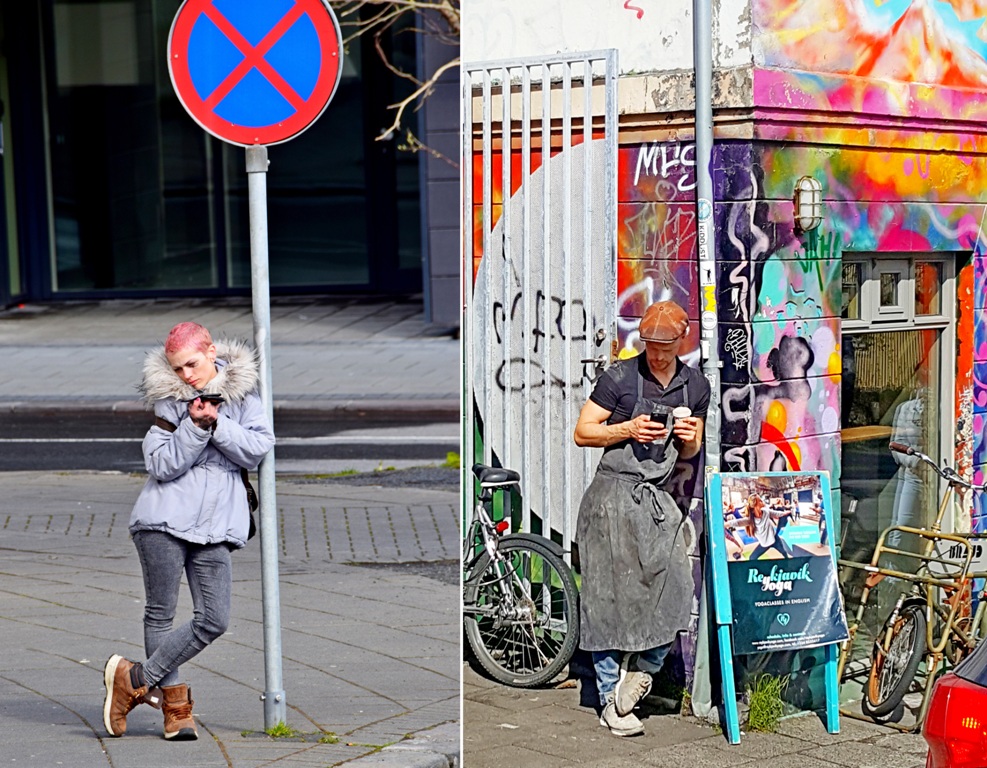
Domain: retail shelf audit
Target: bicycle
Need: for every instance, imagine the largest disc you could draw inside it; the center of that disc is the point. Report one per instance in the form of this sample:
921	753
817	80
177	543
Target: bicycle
922	626
520	600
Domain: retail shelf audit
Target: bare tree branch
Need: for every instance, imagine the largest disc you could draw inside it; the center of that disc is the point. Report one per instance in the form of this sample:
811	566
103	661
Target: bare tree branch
374	19
412	144
419	94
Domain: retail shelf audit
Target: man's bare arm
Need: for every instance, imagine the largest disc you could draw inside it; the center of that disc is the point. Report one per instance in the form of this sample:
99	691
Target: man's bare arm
592	431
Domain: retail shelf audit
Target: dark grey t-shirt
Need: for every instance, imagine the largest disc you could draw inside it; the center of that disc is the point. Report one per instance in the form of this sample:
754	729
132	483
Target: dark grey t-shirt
616	389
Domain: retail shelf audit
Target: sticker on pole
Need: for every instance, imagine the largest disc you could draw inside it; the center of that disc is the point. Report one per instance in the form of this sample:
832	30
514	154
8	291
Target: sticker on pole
255	71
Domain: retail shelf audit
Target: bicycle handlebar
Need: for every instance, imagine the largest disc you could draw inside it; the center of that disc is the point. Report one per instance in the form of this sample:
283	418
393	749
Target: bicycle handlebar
946	472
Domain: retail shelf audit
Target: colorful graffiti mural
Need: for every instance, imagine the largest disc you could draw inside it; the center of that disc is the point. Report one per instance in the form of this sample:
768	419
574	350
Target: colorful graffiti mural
779	304
939	42
779	295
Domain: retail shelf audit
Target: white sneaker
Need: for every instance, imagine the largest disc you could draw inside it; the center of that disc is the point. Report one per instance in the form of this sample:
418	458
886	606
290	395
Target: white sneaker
632	685
619	725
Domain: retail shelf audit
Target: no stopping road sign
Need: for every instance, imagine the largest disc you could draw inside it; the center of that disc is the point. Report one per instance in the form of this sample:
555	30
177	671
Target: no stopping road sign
255	71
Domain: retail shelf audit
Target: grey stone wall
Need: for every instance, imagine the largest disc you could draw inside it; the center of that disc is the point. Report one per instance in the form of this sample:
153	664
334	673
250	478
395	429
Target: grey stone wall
439	130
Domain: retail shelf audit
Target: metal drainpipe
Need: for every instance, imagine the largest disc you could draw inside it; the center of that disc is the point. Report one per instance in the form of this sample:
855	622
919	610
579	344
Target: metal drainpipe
709	333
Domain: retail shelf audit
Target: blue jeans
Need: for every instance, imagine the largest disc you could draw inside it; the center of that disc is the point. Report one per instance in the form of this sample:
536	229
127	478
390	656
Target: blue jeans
209	571
607	667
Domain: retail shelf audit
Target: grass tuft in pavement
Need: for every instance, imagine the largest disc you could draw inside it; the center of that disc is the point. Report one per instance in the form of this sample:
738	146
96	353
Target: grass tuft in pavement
766	705
281	731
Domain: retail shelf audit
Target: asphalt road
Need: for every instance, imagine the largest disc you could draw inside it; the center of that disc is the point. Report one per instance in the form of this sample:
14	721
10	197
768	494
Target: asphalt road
90	440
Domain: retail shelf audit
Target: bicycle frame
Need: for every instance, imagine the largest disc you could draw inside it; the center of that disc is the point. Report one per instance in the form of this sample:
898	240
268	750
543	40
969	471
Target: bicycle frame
482	528
484	535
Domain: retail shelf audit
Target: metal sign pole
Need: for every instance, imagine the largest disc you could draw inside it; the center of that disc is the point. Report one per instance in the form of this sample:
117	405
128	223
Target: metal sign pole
702	693
273	696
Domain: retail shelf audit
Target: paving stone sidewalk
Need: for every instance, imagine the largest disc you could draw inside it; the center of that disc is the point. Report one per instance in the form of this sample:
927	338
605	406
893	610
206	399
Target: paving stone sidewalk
551	728
370	630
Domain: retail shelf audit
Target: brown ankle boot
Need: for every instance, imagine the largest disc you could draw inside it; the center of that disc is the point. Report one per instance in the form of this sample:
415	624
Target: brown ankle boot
177	708
125	689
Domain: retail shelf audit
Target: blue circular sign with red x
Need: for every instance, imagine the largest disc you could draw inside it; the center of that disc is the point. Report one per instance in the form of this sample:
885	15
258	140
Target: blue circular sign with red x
255	71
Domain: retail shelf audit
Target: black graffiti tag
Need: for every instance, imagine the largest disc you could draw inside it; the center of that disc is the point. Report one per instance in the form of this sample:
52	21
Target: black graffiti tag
736	345
519	368
547	318
575	330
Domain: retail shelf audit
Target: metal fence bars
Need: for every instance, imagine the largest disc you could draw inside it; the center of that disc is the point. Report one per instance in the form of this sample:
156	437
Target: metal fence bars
540	158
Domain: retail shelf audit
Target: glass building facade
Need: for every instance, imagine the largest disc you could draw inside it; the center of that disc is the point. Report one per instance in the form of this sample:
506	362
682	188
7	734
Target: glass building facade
112	190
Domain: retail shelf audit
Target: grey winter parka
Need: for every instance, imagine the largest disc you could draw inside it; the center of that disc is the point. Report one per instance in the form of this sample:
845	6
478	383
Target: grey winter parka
194	490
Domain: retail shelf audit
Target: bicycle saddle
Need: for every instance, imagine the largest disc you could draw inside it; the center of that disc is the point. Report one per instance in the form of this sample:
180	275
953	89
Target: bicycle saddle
496	475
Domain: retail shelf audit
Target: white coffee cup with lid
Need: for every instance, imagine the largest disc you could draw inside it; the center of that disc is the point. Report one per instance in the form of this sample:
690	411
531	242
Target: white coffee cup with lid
681	412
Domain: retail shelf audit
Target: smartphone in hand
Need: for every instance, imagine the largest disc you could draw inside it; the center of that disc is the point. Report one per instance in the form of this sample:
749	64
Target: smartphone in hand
661	414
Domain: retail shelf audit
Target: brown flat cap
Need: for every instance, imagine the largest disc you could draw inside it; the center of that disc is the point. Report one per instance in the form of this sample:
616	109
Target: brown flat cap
663	323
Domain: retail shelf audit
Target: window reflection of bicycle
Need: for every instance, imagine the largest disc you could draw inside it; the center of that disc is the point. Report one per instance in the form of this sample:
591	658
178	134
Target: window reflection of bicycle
520	601
932	620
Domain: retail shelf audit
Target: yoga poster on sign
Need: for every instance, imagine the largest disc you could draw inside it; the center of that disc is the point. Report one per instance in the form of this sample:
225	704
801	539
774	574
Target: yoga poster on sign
775	530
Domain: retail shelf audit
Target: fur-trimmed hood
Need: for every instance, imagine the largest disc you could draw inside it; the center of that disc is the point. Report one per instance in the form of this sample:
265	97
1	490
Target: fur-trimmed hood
237	375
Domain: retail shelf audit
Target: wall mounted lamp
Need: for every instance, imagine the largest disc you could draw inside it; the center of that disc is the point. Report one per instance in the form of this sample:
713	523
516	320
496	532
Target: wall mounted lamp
808	204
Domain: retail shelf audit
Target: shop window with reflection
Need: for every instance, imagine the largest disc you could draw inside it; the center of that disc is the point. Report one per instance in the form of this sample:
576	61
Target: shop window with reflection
318	197
891	390
105	164
144	200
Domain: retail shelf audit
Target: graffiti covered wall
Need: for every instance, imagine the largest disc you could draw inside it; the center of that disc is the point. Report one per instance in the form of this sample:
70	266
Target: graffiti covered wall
914	75
778	302
779	295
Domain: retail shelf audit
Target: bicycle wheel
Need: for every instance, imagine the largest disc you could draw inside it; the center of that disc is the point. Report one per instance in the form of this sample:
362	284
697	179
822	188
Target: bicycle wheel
521	614
892	671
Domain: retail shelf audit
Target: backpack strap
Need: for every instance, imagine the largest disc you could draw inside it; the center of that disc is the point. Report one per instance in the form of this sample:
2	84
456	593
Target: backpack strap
166	425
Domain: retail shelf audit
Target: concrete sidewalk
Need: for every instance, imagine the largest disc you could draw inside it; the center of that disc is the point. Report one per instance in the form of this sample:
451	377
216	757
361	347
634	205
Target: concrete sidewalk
550	728
328	354
370	629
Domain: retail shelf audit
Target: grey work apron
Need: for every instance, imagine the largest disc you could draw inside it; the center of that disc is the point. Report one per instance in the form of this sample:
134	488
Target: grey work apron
637	584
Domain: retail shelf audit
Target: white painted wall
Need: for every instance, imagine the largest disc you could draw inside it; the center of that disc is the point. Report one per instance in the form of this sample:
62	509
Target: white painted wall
651	35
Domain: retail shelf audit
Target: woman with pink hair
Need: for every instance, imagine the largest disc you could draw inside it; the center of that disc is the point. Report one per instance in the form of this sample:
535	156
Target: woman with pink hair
193	511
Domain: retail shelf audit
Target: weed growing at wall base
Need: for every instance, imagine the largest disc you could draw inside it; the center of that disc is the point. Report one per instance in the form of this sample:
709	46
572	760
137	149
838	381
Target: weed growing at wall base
766	705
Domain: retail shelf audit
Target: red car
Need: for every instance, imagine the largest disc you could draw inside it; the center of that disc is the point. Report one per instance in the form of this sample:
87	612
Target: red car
956	724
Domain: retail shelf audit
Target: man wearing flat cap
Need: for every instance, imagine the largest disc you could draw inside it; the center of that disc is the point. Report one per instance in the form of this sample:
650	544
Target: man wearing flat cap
646	413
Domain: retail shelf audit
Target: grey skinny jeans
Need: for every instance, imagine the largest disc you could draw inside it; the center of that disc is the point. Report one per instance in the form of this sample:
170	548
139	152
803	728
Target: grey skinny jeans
209	571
